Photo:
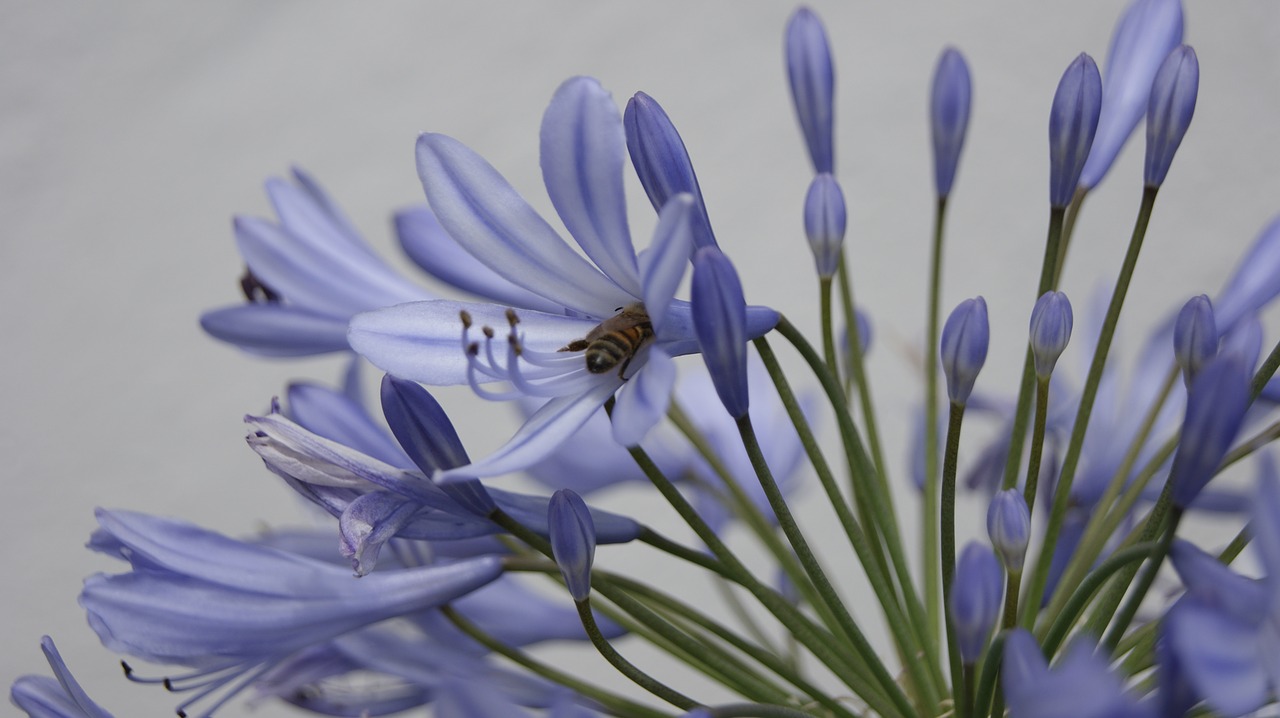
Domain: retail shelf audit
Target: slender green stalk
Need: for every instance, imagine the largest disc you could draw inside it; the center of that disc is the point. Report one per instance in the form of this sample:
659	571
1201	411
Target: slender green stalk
986	689
743	616
1120	622
787	522
1080	597
1265	372
1068	230
877	574
929	507
756	710
625	667
613	703
828	329
1040	575
694	556
948	552
859	372
1037	444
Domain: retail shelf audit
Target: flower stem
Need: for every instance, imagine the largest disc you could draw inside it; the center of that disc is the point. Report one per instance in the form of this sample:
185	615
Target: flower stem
1093	581
986	689
948	552
859	373
929	507
1067	473
625	667
1120	622
1068	230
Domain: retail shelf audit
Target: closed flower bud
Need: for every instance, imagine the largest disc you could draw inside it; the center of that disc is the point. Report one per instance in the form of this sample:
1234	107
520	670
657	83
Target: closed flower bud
573	541
1216	403
824	223
719	320
1146	34
1009	527
1051	321
812	81
1073	120
975	599
949	116
662	162
1195	336
1173	102
964	348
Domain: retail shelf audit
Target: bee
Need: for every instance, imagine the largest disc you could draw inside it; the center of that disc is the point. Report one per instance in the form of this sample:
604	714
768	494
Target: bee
616	341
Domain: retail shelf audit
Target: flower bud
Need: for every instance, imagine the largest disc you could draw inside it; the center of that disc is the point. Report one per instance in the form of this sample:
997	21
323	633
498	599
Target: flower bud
1145	35
964	348
824	223
1073	120
949	116
1173	102
662	162
573	541
1051	322
812	79
975	599
720	322
1195	336
1216	403
1009	526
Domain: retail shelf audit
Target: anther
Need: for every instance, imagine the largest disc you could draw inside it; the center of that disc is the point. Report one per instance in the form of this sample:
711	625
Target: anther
168	685
473	349
255	291
466	318
512	319
128	669
488	331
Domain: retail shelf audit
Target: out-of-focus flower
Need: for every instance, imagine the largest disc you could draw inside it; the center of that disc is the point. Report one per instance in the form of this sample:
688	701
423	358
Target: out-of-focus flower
949	116
1173	103
1080	685
1195	336
965	337
975	598
1073	119
1009	528
812	77
57	697
824	223
1216	403
1051	321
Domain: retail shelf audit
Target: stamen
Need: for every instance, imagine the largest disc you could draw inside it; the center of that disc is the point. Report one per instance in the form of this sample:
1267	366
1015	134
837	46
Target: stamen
512	319
466	318
255	290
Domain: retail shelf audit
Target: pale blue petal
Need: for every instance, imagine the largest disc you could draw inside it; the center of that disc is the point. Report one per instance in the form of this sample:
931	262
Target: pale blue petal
368	523
333	415
1212	583
422	341
679	336
1220	656
545	431
492	222
473	699
662	266
306	211
319	201
592	460
582	152
58	697
431	248
532	512
1255	282
643	401
276	330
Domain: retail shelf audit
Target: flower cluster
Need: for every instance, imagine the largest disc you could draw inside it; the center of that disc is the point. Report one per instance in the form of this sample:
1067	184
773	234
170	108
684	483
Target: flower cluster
424	583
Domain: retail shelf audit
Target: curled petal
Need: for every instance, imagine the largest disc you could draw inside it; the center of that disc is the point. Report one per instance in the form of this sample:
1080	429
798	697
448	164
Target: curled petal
335	416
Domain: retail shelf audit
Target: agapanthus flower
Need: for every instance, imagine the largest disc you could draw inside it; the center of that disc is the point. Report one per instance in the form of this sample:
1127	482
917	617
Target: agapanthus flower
542	353
57	697
1080	684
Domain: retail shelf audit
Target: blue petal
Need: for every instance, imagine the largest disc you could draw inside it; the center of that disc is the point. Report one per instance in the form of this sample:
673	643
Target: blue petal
662	266
421	426
1220	655
812	79
486	216
539	619
1211	583
368	523
59	697
1255	282
582	152
643	401
431	248
680	337
592	460
276	329
546	430
473	699
334	416
532	512
422	340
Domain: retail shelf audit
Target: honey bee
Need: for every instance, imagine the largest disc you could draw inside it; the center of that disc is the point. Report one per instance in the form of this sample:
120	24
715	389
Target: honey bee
616	341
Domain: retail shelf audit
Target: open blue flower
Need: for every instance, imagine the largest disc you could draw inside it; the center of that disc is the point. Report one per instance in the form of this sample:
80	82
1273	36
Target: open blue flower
541	353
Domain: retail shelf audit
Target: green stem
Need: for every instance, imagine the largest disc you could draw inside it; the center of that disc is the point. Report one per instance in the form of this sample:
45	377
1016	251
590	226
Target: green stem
1265	372
1067	474
948	551
858	366
625	667
1080	597
828	329
756	710
693	556
1120	623
612	702
1068	230
986	689
1037	444
929	508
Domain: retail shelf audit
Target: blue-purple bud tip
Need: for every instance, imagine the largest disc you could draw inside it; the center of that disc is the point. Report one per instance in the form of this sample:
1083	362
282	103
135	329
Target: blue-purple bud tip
964	348
661	161
1195	337
1216	404
1172	104
1073	120
573	541
1051	321
949	116
720	322
975	599
812	79
1009	527
824	223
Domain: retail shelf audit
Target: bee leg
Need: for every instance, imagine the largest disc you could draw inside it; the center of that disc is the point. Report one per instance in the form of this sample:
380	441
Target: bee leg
576	345
622	370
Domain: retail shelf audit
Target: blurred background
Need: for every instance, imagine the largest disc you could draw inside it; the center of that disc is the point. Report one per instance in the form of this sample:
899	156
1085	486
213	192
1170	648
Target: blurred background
131	133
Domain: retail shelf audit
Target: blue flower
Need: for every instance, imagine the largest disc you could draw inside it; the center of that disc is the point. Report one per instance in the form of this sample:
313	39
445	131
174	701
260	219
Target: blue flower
1073	120
58	697
949	116
812	78
232	610
963	347
307	276
975	598
1079	686
439	342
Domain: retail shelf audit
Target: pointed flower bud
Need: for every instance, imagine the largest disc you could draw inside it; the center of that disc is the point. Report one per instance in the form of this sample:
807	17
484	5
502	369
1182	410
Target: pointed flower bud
812	81
964	347
824	223
1009	526
662	162
1073	120
719	320
949	116
1146	34
1195	336
975	599
1173	102
1051	321
1216	403
573	541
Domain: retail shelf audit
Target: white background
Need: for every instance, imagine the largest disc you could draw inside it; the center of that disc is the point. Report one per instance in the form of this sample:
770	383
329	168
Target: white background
130	133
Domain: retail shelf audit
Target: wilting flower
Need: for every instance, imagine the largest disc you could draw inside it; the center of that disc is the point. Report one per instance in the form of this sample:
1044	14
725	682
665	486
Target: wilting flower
582	157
